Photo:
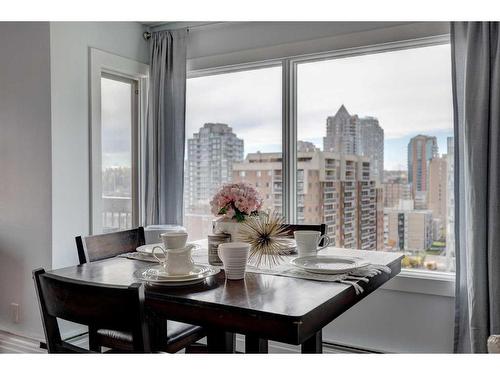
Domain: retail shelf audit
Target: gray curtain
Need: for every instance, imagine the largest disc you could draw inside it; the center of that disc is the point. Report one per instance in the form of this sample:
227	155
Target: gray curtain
165	130
476	80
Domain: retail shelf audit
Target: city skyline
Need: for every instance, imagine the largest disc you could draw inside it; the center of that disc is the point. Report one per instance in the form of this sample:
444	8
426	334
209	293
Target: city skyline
409	91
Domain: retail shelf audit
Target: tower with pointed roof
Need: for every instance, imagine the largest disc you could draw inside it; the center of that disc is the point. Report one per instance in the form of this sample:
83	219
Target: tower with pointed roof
341	133
348	134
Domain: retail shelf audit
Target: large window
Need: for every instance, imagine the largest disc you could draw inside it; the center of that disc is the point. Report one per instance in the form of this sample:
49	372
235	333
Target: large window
118	88
118	136
375	152
233	122
372	131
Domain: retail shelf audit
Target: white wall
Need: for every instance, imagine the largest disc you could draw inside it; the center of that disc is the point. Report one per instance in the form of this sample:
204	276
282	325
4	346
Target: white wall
69	58
25	169
397	322
389	320
44	149
237	42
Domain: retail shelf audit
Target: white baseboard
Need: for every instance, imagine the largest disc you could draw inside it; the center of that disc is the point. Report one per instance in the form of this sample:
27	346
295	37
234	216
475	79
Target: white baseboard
11	343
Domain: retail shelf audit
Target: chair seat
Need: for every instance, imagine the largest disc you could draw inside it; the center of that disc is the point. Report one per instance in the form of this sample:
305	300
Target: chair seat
179	335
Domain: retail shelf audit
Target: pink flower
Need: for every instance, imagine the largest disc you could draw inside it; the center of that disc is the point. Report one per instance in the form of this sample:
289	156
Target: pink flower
234	198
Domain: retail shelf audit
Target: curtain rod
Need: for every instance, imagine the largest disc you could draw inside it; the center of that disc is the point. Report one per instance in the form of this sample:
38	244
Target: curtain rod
179	25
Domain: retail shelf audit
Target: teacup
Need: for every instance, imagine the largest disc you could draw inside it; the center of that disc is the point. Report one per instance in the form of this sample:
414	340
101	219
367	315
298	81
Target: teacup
174	240
308	241
176	261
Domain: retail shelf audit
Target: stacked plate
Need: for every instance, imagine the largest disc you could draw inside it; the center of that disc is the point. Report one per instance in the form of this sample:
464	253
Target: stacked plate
149	248
291	245
329	264
157	275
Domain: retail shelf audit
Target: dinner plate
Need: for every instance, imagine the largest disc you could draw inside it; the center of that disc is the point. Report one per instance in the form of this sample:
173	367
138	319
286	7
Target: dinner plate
158	275
329	264
291	245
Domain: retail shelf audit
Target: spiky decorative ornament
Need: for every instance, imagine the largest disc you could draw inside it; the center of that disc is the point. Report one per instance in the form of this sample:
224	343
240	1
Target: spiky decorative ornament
267	235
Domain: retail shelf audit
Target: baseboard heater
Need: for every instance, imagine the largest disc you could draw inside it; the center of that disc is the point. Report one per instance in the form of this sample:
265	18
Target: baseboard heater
341	348
43	345
348	348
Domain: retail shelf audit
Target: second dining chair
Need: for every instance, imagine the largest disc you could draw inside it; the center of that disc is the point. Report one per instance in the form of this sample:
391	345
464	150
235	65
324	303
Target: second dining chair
171	336
116	308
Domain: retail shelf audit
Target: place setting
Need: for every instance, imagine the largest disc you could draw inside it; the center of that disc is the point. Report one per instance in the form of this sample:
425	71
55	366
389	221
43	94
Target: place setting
175	265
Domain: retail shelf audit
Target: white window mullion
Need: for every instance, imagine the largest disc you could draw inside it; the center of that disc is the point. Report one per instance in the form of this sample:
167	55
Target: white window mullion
289	120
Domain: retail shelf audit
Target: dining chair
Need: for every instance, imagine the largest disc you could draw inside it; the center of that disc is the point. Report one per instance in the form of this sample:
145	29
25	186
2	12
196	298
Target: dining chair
317	227
117	308
108	245
170	335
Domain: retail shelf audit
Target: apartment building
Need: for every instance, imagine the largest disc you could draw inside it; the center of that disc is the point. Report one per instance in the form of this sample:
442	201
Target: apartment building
334	190
396	188
406	229
421	149
210	156
348	134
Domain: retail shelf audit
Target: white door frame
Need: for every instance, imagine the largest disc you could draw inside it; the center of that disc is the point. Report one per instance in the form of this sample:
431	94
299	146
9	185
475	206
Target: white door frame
104	62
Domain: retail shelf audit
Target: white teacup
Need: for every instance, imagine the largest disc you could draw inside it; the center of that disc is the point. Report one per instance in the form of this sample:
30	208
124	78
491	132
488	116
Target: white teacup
174	240
176	261
234	256
308	242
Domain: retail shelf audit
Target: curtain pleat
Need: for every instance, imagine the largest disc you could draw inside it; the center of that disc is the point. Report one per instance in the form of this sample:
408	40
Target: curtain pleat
165	128
476	86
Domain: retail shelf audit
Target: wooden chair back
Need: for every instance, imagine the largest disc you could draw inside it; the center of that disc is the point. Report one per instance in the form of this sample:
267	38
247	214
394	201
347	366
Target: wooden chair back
317	227
108	245
118	308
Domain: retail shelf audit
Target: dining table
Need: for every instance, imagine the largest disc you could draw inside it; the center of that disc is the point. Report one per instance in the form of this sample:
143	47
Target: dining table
261	306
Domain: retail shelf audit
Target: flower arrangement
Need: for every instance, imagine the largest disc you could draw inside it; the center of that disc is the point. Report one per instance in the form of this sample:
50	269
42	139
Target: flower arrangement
236	201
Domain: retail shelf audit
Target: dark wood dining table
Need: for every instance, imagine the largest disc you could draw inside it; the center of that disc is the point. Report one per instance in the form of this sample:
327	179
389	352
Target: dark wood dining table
262	306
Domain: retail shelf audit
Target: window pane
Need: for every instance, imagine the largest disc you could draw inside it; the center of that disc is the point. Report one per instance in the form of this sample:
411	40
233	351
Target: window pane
116	138
375	152
233	131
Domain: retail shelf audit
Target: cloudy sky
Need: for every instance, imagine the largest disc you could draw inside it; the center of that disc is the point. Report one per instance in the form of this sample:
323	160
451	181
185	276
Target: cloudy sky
116	121
409	91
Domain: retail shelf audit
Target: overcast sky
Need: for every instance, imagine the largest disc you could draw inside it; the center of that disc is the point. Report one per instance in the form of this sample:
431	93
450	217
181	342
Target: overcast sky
116	121
409	91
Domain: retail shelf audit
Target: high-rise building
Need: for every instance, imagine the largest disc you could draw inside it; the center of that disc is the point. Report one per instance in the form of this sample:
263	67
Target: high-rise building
341	133
421	149
304	146
371	144
409	230
396	188
211	154
331	189
348	134
437	195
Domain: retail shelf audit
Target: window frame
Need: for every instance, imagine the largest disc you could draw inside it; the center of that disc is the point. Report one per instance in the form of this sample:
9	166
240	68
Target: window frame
108	65
289	66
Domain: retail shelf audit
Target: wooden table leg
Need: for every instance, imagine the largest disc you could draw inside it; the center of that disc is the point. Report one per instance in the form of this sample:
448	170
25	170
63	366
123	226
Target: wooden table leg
254	344
314	344
220	342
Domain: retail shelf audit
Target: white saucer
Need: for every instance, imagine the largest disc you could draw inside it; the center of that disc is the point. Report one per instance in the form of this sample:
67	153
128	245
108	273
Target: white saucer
149	248
158	275
329	264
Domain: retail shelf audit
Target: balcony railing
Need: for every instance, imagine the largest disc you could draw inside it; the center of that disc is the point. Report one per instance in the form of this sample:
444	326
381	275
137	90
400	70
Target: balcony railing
116	213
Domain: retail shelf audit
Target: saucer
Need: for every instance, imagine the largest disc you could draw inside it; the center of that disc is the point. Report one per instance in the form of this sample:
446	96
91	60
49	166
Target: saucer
149	248
158	275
